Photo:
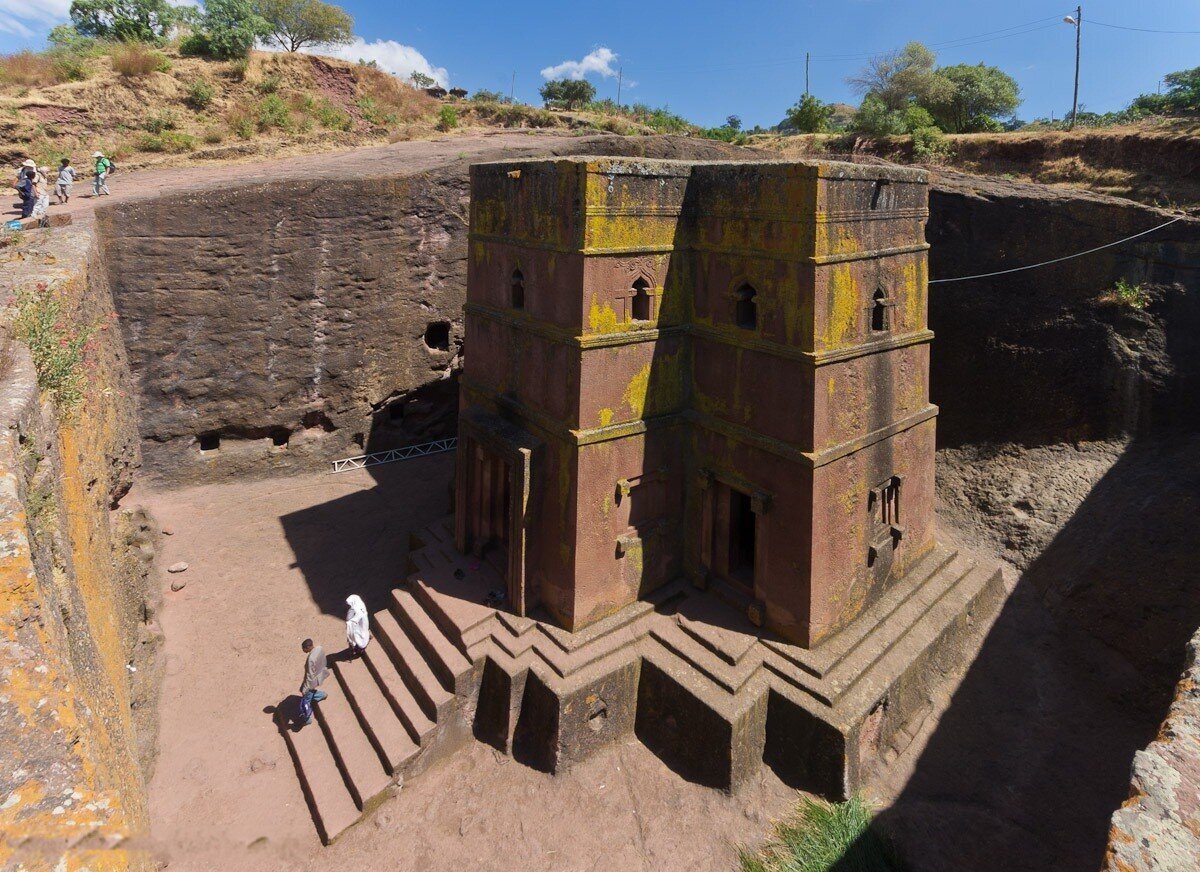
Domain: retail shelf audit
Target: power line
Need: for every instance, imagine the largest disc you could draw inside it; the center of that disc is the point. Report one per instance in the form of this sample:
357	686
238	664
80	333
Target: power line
1141	29
960	42
1057	259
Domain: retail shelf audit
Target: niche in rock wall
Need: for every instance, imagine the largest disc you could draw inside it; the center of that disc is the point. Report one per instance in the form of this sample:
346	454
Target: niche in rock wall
437	336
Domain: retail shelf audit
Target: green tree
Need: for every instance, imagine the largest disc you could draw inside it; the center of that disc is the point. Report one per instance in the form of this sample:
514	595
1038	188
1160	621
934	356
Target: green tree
568	93
232	27
734	122
420	80
1182	96
809	115
125	20
976	96
294	24
901	77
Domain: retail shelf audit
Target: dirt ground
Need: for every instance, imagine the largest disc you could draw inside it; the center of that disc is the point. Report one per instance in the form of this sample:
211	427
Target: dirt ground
272	561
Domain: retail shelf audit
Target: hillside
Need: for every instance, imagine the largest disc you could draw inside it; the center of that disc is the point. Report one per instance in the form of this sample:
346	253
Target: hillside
1154	163
186	109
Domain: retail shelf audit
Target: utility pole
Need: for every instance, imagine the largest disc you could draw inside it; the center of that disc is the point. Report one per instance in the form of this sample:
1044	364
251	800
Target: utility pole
806	60
1078	22
513	88
620	73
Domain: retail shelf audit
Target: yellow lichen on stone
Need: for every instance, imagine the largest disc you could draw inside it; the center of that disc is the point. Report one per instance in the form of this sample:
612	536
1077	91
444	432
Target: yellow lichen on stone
843	307
606	417
636	391
602	318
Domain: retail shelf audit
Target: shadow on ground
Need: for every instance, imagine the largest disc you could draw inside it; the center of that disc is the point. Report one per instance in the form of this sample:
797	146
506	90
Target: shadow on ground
359	543
1031	757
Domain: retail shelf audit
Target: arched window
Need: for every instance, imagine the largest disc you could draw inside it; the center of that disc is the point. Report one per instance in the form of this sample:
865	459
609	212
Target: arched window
746	310
879	311
518	290
641	304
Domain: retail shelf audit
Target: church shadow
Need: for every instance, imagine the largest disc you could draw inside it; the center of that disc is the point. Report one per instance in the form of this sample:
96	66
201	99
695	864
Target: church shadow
358	543
1025	767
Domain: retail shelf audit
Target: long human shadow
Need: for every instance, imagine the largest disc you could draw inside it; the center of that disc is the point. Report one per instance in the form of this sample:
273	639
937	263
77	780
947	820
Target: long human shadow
1025	767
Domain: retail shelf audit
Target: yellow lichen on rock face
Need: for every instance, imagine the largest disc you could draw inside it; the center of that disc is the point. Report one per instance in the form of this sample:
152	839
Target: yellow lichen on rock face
602	318
843	308
606	417
636	391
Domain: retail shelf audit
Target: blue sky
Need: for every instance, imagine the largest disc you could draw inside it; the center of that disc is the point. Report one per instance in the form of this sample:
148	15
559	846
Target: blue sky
708	59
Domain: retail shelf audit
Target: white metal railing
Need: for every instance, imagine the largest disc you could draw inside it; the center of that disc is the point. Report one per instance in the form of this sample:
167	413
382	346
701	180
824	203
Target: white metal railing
409	451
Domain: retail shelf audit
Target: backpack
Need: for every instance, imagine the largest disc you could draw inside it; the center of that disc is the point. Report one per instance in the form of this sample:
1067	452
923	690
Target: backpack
112	167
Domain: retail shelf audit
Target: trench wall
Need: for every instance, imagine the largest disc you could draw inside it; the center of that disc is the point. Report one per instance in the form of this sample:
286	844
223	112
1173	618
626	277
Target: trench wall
77	631
1042	357
288	324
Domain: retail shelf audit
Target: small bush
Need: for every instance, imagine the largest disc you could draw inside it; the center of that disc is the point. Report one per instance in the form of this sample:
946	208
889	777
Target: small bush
239	68
195	45
212	136
244	127
1126	294
331	117
274	113
823	837
269	84
59	349
200	95
134	60
930	145
169	141
447	119
162	121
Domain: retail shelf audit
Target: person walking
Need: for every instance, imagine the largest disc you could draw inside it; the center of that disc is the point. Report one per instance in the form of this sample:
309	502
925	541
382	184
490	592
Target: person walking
66	180
358	625
103	168
41	192
25	187
315	672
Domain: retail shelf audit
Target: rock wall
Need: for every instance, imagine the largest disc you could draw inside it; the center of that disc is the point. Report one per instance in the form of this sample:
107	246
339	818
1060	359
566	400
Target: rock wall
77	638
1159	826
276	327
1042	356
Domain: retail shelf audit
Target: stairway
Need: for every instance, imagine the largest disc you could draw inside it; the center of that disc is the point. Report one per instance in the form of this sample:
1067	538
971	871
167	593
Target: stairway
386	716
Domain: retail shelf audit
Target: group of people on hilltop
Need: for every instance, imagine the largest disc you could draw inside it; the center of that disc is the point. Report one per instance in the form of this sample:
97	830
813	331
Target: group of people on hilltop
33	184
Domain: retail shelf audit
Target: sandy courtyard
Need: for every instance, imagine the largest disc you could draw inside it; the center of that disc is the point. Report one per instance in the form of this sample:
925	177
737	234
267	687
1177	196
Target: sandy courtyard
271	562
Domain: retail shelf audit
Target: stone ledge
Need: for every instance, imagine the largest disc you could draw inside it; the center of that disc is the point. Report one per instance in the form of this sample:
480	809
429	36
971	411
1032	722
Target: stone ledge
684	670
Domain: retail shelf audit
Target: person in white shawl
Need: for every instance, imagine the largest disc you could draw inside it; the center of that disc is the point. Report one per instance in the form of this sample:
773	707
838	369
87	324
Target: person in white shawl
358	625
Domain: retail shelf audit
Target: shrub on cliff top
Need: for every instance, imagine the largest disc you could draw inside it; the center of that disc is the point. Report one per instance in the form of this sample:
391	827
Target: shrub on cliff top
58	347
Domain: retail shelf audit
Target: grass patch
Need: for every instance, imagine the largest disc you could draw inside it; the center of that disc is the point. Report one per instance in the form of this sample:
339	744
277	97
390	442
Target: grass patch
59	348
200	95
822	837
160	121
168	142
330	116
1126	294
389	98
134	60
31	70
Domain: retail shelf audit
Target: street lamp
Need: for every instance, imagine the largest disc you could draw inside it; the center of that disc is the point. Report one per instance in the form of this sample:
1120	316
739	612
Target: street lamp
1077	22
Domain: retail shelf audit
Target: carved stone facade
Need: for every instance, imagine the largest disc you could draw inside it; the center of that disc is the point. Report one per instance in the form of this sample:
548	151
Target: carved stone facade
717	371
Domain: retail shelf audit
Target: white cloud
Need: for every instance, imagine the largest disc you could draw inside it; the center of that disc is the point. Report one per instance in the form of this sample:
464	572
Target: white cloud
30	18
25	17
399	60
598	61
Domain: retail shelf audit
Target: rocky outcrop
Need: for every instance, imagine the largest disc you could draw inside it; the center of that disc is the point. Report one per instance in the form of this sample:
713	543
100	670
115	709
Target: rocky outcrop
76	623
1159	826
